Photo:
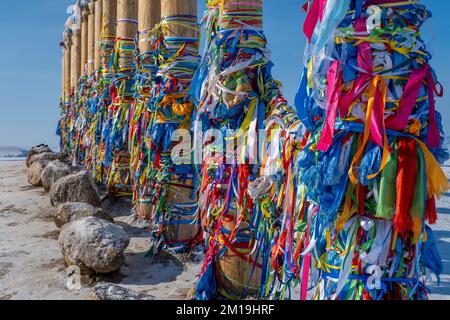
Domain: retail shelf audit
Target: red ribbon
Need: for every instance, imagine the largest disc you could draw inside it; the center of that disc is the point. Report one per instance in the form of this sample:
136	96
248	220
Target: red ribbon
406	185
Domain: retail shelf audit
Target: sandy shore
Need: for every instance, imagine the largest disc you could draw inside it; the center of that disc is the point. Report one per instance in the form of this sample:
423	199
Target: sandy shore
31	266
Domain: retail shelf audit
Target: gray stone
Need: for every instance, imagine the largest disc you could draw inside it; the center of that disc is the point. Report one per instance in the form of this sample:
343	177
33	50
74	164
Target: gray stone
34	172
53	172
50	156
108	291
65	157
42	148
78	187
72	211
93	244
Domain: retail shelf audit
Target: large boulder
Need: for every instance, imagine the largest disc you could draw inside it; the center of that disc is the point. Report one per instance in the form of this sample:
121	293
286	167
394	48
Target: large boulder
34	173
93	244
78	187
71	211
42	148
53	172
49	156
113	292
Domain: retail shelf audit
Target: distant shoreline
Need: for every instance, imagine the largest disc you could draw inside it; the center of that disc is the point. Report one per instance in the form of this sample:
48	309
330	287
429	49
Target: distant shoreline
12	158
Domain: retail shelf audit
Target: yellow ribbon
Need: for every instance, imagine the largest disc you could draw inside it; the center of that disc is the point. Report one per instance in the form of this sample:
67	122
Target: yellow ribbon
376	82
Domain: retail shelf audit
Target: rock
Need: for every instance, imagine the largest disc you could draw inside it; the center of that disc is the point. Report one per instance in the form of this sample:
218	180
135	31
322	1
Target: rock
78	187
42	148
54	171
34	172
72	211
108	291
93	244
50	156
65	157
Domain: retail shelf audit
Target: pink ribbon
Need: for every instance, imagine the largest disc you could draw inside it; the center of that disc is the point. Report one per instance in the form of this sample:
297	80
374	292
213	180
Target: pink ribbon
333	90
408	99
433	137
377	119
364	59
315	13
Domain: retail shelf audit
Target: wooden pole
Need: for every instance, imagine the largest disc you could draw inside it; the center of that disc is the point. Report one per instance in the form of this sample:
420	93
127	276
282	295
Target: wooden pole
232	271
63	69
75	70
110	17
149	16
91	38
98	31
119	182
84	38
67	58
176	230
109	29
184	7
127	15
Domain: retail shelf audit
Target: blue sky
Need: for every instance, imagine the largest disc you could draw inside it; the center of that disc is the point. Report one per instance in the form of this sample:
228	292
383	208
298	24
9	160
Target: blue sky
30	61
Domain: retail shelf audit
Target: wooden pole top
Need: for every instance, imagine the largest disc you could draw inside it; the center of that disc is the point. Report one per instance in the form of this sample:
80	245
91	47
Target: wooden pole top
75	69
85	12
149	16
67	40
251	7
127	16
91	38
171	7
98	32
92	7
186	8
74	22
67	37
110	16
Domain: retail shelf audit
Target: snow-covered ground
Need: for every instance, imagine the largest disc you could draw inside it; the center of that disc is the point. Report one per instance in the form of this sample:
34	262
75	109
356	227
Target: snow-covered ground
442	234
